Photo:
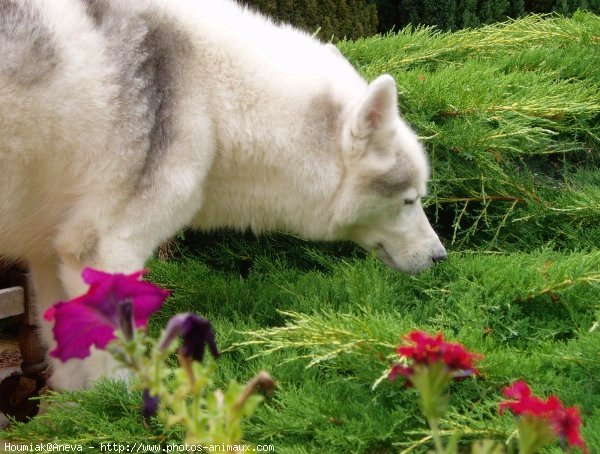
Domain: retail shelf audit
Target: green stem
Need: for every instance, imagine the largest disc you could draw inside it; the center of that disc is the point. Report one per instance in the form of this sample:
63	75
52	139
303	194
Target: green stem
435	432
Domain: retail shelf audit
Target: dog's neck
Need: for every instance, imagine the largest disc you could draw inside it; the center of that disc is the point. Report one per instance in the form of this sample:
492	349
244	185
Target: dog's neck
277	167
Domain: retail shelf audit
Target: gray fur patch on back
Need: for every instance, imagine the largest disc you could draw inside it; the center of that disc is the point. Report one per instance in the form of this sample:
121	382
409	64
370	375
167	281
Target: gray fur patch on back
159	70
148	50
28	54
96	9
326	111
321	120
395	181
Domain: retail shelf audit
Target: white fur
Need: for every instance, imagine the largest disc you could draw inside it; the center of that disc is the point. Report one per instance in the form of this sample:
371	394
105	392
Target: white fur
256	147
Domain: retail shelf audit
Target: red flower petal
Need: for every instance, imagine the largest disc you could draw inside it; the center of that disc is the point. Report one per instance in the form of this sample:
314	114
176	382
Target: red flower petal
398	369
518	390
565	422
427	349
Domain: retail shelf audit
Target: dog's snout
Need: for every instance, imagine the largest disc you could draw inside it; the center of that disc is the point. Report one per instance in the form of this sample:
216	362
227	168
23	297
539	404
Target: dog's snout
439	257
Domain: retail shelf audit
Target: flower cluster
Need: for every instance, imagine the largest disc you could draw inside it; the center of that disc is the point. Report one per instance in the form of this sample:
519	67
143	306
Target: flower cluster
564	422
430	364
425	349
112	315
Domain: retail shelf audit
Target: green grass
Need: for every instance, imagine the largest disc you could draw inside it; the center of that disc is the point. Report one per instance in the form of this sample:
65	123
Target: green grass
529	313
510	115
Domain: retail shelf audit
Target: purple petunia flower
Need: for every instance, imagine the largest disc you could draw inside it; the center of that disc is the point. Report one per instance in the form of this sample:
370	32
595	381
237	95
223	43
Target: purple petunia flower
196	332
149	404
91	319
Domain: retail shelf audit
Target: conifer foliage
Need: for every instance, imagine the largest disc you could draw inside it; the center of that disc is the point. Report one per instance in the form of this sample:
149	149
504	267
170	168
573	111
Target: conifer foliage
334	19
353	19
456	14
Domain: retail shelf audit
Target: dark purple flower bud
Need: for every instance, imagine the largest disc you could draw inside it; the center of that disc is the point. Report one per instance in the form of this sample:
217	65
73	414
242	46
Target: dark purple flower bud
125	311
149	404
196	332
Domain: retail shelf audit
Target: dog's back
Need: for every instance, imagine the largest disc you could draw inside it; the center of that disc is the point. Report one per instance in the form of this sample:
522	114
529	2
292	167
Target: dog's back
86	92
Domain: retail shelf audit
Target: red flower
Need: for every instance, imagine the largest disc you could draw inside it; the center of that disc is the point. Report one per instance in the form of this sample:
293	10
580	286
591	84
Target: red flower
425	349
91	319
564	422
525	403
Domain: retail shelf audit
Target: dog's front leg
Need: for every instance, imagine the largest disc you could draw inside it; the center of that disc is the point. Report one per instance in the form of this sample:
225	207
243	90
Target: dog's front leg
107	254
48	290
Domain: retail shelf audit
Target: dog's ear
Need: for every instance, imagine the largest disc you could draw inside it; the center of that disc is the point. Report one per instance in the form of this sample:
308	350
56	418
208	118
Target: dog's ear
377	109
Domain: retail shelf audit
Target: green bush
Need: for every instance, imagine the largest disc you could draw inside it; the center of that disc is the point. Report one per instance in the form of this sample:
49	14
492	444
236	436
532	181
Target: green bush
333	19
456	14
360	18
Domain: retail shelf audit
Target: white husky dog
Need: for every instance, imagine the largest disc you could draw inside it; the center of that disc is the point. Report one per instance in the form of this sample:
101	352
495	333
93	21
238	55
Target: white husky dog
123	121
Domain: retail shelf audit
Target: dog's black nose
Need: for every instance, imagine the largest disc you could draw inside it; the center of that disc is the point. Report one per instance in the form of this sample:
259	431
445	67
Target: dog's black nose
437	258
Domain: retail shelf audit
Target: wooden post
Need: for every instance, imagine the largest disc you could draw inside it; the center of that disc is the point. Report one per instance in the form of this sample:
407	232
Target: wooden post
16	389
33	353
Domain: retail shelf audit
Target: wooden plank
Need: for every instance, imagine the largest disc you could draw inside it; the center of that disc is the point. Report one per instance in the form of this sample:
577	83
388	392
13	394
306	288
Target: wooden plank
12	301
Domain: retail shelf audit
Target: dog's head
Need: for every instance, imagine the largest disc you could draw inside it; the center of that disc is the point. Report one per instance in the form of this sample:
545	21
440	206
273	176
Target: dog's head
378	204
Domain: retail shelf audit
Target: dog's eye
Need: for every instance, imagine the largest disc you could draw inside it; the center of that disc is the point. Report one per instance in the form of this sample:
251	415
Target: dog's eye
409	201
